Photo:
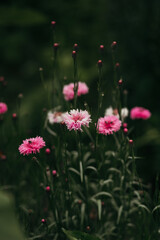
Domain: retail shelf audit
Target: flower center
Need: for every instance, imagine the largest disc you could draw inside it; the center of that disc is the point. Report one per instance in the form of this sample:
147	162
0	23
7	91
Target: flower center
77	118
108	124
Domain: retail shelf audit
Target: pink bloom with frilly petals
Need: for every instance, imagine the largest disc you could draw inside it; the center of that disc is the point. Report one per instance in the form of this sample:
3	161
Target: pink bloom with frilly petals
68	90
75	119
140	113
3	108
31	145
108	125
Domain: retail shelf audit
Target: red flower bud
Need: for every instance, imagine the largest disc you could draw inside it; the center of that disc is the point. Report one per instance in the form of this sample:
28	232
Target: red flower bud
114	44
130	141
48	189
53	24
56	46
117	65
120	82
48	151
125	130
125	125
74	53
99	63
54	173
14	116
43	220
88	228
75	46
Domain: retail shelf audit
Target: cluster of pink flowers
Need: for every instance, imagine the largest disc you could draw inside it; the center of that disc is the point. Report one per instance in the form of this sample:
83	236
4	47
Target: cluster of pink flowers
108	124
68	90
3	108
31	145
140	113
75	119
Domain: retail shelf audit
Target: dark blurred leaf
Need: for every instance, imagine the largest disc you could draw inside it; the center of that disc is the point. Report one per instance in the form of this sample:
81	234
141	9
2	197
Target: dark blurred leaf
76	235
13	16
9	228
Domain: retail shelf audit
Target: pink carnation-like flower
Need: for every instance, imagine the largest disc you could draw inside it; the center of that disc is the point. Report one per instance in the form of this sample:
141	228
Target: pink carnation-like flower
75	119
3	108
68	90
55	117
140	113
31	145
108	124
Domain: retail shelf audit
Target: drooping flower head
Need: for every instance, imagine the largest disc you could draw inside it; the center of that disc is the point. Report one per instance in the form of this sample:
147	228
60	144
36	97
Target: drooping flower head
68	90
108	125
110	111
55	117
31	145
75	119
3	108
140	113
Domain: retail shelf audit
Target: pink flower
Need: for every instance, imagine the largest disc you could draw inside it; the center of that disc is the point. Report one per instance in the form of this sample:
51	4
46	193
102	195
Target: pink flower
68	90
140	113
31	145
3	108
75	119
108	124
55	117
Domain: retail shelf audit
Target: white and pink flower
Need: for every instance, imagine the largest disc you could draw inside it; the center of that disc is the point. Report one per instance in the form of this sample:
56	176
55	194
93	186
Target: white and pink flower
75	119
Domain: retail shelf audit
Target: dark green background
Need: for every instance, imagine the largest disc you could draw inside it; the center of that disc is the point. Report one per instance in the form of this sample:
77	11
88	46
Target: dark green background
26	45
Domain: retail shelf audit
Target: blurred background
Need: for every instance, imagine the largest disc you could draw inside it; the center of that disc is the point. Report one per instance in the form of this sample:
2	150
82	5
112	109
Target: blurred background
26	44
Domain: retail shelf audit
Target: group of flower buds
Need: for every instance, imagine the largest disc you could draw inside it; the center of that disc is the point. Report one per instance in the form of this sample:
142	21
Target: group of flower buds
125	129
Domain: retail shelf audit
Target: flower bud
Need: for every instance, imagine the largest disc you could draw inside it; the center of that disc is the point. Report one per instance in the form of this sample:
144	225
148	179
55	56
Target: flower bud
101	47
75	47
56	46
48	151
74	54
43	220
48	189
53	24
117	65
125	125
131	142
14	116
114	45
88	228
54	173
99	63
120	82
125	130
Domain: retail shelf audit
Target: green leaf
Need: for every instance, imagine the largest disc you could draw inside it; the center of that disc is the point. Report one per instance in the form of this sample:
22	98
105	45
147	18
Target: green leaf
77	235
156	208
107	194
81	170
92	168
144	207
99	204
119	214
9	227
74	170
83	206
